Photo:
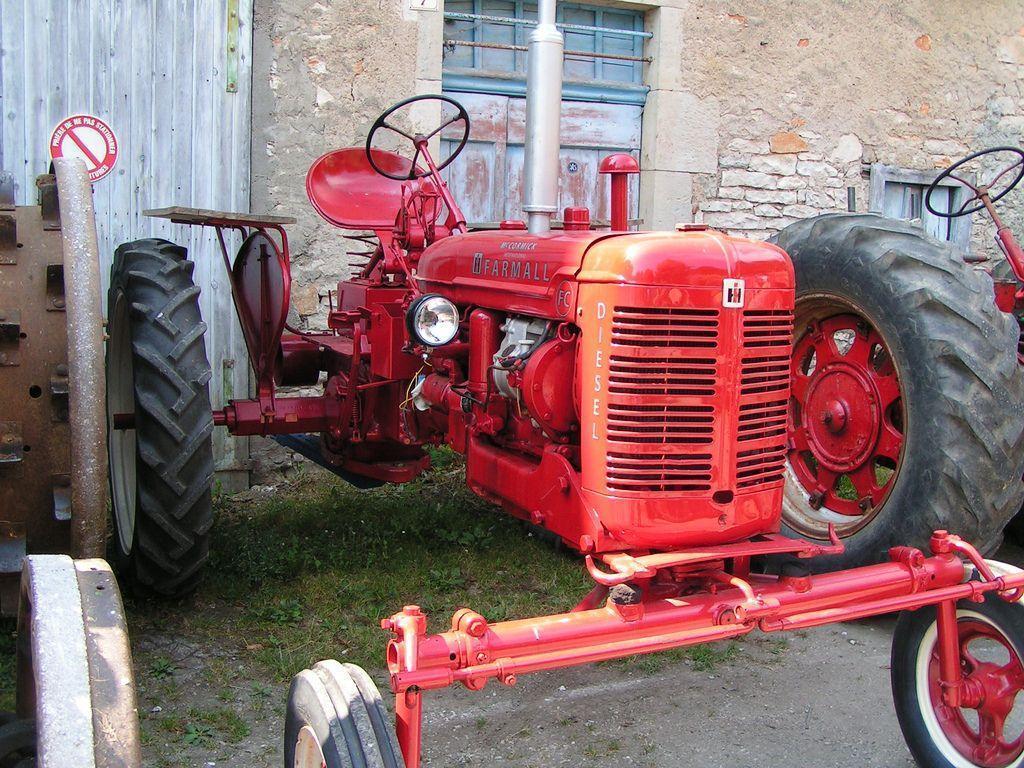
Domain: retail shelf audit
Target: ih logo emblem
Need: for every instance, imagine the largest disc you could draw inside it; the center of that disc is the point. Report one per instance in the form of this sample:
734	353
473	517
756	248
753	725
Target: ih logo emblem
732	293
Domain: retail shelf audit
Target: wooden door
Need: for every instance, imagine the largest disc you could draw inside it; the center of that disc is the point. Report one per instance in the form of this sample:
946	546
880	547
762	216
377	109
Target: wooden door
487	178
173	79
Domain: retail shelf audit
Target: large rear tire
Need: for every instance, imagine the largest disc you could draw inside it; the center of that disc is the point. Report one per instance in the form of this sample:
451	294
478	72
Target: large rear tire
161	467
907	401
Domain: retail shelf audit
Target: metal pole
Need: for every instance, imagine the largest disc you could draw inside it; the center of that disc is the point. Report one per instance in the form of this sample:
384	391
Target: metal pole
87	387
543	117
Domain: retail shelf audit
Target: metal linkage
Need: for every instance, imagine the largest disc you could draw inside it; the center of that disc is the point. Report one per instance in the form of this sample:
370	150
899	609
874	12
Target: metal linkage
647	617
567	53
480	17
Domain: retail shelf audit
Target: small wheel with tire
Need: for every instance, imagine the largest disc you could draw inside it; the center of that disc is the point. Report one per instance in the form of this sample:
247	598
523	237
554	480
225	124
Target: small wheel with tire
335	718
984	732
159	419
906	392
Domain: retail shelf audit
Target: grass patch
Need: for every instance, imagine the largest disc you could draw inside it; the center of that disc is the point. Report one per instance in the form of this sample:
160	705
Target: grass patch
309	572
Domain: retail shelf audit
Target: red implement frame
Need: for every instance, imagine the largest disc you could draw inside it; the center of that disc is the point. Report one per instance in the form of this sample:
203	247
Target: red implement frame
715	598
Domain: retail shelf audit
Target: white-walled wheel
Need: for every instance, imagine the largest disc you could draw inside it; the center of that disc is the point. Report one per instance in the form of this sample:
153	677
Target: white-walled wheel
74	665
991	640
336	719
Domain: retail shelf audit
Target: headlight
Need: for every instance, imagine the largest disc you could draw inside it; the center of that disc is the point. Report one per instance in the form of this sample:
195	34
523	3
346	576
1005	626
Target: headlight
433	320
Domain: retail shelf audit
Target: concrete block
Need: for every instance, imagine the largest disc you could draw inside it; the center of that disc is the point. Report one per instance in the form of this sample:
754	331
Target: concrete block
792	182
787	142
665	49
732	220
680	133
783	165
783	197
848	150
800	211
666	197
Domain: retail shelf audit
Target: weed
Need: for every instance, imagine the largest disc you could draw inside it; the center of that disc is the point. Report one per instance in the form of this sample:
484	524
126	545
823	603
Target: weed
7	663
443	579
161	668
286	611
706	657
260	690
198	735
227	722
602	748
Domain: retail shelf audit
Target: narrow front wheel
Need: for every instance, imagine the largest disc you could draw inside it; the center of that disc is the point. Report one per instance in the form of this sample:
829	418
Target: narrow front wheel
988	731
335	719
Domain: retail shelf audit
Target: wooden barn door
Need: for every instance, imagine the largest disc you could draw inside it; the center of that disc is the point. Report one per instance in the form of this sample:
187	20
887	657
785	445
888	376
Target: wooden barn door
173	79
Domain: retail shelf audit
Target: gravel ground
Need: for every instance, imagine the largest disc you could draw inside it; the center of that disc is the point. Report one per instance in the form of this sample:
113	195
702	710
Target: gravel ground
816	698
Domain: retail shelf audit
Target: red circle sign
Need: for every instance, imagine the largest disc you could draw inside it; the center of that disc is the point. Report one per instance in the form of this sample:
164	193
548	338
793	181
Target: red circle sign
88	138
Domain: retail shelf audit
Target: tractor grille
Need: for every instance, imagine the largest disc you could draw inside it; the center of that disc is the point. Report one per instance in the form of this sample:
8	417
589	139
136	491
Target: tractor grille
764	389
661	376
665	327
666	472
662	372
760	466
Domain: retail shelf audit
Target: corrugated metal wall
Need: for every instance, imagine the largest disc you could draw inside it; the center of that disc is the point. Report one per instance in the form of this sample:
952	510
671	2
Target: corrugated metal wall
158	72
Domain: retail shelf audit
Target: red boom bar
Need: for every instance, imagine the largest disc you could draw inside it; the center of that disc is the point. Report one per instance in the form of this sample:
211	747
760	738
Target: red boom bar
473	651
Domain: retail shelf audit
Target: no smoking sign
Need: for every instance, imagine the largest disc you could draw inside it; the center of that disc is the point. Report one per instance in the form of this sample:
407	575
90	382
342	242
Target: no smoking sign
88	138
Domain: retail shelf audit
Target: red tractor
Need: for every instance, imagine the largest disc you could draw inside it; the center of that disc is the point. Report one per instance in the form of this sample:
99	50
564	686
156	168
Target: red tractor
638	394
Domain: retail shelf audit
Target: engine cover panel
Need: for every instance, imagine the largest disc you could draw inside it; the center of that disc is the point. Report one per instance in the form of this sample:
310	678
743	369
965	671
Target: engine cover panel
510	270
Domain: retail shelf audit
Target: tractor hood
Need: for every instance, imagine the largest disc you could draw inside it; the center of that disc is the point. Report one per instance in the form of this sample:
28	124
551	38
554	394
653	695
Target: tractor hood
516	272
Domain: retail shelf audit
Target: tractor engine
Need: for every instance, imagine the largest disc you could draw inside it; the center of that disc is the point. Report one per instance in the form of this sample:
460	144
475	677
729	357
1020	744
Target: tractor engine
625	391
628	391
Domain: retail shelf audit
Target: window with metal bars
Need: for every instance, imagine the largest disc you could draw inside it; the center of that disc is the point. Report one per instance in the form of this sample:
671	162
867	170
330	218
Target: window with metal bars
488	39
899	193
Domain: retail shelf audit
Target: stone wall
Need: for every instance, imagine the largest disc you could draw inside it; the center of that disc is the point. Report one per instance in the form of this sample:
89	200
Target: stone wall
810	93
759	114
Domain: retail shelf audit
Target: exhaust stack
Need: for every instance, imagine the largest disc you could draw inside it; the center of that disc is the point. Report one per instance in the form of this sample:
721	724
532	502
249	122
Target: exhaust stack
543	117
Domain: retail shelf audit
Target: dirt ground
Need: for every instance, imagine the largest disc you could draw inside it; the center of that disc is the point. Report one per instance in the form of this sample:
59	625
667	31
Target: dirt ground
212	673
821	699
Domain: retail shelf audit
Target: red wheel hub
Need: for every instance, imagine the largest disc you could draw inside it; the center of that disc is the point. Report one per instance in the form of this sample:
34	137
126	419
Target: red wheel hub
990	688
842	416
845	415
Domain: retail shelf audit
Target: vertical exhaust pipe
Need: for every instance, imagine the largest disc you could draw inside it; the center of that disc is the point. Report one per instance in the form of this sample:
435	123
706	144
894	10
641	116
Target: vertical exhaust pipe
543	117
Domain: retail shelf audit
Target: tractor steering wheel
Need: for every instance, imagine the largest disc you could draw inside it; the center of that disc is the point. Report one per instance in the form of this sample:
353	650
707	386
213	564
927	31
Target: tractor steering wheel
982	191
418	140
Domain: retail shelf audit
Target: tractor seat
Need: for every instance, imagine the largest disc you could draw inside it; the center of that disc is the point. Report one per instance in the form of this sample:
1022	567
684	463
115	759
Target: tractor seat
347	192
